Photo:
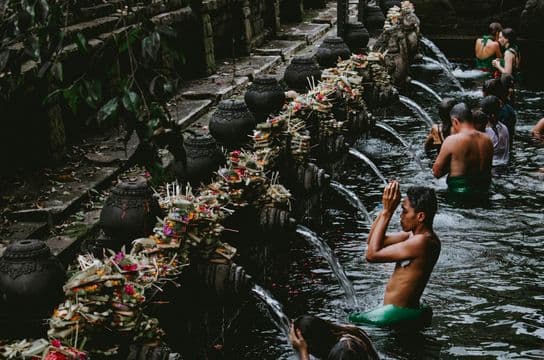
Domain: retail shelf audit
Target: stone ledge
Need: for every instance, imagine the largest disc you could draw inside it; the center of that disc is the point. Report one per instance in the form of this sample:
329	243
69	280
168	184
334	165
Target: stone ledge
283	48
185	111
306	32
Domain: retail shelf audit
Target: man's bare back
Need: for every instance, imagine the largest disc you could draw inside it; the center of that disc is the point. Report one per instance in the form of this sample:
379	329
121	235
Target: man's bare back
410	276
469	152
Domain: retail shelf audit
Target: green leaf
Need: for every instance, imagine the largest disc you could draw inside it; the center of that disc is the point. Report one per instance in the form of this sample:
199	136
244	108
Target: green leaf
71	95
168	87
43	69
57	71
167	31
43	10
131	101
81	43
108	110
4	57
91	91
151	45
131	37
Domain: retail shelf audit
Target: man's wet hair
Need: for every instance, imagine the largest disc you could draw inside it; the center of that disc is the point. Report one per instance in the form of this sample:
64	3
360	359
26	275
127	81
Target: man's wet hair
491	105
444	108
494	28
495	87
423	199
480	118
461	112
507	80
510	34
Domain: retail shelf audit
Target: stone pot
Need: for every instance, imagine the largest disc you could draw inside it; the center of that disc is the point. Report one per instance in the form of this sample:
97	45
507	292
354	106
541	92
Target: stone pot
330	50
264	97
311	178
202	159
232	123
130	212
31	281
374	18
272	219
225	278
385	5
301	68
357	37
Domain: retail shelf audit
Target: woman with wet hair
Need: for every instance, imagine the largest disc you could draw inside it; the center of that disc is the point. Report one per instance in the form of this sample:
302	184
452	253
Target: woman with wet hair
326	340
509	63
439	132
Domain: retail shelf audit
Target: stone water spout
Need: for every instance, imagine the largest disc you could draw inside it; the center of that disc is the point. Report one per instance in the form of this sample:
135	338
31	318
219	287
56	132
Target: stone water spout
427	88
417	110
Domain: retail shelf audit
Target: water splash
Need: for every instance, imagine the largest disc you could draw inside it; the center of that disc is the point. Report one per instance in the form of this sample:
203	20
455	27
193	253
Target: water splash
417	110
369	162
352	198
397	136
446	71
427	88
437	52
336	267
275	309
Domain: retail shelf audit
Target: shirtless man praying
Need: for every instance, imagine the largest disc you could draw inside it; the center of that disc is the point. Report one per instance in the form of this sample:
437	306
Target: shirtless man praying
415	251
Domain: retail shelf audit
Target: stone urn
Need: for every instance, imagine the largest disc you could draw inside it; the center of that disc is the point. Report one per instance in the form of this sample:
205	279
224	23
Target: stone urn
357	37
232	123
385	5
299	71
202	159
31	281
264	97
331	50
130	212
374	18
272	219
311	178
224	278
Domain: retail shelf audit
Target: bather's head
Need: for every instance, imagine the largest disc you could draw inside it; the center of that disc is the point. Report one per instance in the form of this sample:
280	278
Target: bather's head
507	37
491	107
444	109
494	30
460	114
418	207
480	119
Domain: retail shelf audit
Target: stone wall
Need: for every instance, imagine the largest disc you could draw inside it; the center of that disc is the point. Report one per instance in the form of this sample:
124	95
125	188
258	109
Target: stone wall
208	29
467	17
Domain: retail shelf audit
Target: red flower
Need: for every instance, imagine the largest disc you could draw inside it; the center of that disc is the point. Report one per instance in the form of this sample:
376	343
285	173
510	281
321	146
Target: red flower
55	356
130	267
56	343
129	289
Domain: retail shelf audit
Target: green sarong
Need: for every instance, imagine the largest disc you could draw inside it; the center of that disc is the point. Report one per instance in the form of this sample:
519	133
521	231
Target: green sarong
469	184
390	314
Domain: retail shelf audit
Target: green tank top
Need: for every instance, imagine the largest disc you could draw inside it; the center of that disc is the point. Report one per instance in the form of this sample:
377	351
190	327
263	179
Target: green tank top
485	64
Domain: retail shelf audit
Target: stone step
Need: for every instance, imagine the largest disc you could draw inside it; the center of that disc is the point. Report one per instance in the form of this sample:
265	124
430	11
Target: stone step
307	32
283	48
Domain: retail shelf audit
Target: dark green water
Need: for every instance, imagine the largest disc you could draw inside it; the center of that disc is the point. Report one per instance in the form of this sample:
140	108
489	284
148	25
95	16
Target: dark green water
487	289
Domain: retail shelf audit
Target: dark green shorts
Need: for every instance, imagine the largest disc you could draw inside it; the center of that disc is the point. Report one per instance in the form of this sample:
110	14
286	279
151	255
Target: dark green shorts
390	314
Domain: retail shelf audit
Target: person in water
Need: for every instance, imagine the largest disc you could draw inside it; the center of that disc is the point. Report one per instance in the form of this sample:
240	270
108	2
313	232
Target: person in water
465	157
497	131
488	48
507	114
480	120
415	251
326	340
538	129
510	62
439	132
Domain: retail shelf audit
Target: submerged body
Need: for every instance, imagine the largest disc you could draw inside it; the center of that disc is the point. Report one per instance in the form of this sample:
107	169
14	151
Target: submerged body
415	251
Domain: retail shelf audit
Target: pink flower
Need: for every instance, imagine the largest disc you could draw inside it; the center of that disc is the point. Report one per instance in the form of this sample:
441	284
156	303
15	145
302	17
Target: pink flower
147	174
129	289
118	257
167	230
